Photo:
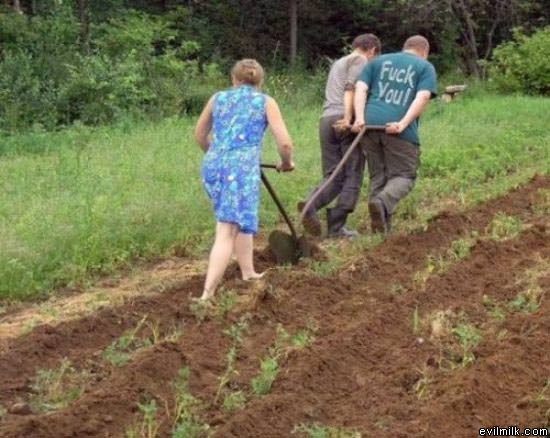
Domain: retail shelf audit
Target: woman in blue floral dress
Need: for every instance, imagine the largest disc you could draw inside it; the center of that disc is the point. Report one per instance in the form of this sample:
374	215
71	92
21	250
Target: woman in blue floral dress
230	130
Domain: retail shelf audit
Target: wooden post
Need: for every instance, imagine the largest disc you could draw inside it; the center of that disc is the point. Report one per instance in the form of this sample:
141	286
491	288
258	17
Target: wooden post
84	25
293	31
17	6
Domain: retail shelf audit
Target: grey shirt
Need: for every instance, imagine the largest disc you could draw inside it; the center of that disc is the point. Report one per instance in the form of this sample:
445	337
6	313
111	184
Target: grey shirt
342	77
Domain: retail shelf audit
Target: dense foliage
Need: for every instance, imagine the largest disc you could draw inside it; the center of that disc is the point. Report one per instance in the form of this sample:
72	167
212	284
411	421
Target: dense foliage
522	65
134	64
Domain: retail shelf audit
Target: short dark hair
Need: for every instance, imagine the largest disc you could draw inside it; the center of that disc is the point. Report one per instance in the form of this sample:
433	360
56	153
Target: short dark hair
366	42
417	42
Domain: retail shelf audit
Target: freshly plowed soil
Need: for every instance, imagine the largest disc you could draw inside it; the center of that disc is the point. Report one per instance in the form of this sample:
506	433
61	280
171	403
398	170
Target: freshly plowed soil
377	365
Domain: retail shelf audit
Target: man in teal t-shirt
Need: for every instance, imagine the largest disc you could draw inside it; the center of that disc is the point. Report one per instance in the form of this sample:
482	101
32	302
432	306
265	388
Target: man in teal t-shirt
399	86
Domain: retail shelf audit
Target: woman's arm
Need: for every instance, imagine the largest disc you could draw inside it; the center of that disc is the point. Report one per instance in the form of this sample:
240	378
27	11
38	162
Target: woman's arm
204	125
278	128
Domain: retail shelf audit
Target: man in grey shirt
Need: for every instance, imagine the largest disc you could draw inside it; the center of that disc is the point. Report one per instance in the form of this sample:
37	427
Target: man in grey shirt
338	109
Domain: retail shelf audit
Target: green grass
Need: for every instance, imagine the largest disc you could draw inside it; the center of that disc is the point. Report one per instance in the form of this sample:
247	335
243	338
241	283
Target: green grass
80	203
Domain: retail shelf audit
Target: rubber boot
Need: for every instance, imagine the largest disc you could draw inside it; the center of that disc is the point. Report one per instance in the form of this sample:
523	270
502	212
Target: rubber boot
336	219
311	222
378	216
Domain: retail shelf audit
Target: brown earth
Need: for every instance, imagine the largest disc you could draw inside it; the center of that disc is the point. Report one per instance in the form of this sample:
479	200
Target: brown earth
364	369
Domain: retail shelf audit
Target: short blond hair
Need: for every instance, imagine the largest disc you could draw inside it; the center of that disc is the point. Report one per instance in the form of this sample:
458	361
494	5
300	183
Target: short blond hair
248	71
418	43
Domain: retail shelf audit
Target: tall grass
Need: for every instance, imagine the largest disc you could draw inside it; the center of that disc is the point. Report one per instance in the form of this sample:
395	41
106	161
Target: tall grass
79	202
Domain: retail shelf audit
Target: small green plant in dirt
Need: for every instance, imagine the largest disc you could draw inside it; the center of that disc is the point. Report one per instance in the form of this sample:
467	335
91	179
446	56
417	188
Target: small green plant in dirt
440	325
422	385
148	426
122	349
218	307
367	242
544	395
57	388
438	265
225	303
234	401
3	412
530	298
542	399
461	248
468	337
201	309
384	423
397	289
269	365
421	277
303	338
542	203
284	343
325	268
527	301
236	332
269	369
504	227
171	335
273	291
495	311
186	419
319	431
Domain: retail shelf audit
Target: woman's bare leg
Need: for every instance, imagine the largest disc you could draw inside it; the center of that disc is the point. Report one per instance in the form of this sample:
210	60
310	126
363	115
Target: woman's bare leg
220	256
244	246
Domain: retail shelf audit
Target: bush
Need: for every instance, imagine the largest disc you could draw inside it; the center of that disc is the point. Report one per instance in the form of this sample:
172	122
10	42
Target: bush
522	65
135	64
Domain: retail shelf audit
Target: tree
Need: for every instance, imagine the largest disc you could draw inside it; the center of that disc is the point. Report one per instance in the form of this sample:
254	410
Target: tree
17	6
84	24
293	31
481	21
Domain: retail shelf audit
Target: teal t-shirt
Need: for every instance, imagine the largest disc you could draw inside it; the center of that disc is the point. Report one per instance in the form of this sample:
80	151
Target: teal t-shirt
393	81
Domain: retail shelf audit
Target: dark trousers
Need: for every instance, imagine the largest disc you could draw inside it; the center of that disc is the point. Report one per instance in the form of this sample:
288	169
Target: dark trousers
392	164
347	185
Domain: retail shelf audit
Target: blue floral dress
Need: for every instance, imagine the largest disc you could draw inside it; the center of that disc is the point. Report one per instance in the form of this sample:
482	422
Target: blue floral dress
231	167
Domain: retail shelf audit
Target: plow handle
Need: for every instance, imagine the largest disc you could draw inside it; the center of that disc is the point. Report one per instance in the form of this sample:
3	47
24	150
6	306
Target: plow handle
339	167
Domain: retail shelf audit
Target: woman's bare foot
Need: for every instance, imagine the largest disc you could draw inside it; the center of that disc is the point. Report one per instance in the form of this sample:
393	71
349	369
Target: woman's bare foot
206	295
253	276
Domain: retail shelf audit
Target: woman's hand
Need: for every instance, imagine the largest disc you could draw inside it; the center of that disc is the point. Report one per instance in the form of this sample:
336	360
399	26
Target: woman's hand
285	166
